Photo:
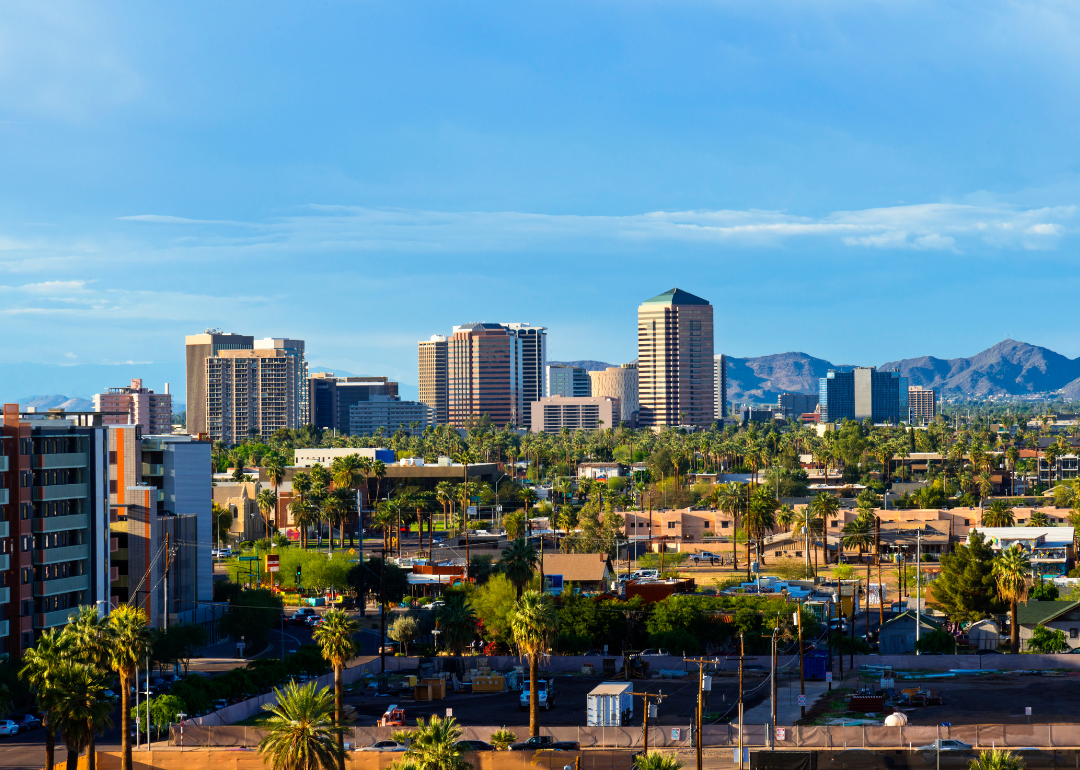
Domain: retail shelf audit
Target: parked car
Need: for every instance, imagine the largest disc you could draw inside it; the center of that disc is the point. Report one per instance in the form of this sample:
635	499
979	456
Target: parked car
654	652
703	556
27	721
538	742
946	744
473	746
385	746
301	616
313	620
595	652
545	695
8	727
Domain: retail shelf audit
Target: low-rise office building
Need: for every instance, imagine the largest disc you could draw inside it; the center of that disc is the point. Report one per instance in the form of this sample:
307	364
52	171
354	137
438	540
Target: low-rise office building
553	413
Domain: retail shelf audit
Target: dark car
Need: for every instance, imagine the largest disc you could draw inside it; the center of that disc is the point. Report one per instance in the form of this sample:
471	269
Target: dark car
473	746
26	722
538	742
301	616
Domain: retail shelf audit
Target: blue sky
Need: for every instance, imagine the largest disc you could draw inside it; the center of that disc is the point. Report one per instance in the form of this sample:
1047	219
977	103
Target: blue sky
862	181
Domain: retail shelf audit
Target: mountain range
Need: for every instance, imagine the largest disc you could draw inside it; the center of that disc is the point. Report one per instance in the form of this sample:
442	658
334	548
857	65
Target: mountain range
1008	368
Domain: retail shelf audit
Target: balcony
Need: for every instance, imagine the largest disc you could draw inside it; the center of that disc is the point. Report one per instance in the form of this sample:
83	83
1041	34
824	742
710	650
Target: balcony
3	496
3	628
61	585
57	555
52	619
5	562
59	492
60	460
3	463
5	530
61	523
153	469
5	595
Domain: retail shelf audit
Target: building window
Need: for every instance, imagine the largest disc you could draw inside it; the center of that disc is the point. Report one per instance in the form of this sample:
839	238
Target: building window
967	522
27	575
671	525
724	524
835	523
1074	633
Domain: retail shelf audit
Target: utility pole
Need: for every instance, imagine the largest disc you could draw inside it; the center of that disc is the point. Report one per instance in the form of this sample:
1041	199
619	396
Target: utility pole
918	586
382	613
772	695
877	558
802	667
701	663
645	696
165	587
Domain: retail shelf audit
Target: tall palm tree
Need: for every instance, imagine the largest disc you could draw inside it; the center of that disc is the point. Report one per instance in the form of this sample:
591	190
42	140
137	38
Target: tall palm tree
82	709
346	474
998	514
534	624
760	519
335	638
824	506
434	746
378	470
444	493
518	562
275	471
89	637
457	623
131	641
40	664
304	515
730	499
335	508
785	517
303	732
1012	567
267	502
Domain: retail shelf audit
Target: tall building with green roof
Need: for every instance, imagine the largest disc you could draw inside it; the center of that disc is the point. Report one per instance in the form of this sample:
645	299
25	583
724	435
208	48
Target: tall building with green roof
675	360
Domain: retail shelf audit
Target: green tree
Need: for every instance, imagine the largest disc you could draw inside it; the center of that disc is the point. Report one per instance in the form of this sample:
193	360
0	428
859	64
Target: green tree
40	665
434	745
518	563
514	524
493	603
366	579
534	626
1047	640
966	589
1011	570
1043	592
335	638
404	630
253	614
131	639
998	514
501	739
82	709
456	622
937	641
302	731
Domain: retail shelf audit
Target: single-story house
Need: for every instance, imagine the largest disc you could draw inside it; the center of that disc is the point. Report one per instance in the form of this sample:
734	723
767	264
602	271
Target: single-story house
897	636
1060	615
587	571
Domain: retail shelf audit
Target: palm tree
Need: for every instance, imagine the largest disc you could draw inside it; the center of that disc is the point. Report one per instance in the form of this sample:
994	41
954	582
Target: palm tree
88	637
335	637
444	493
825	507
1011	570
303	732
267	502
130	642
729	500
346	474
304	514
518	563
336	507
534	624
998	514
654	760
760	519
785	517
275	471
457	623
1038	519
434	746
40	664
82	709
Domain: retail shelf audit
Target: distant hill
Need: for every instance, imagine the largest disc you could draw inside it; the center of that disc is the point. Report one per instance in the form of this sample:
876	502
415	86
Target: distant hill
84	380
589	366
52	402
1008	368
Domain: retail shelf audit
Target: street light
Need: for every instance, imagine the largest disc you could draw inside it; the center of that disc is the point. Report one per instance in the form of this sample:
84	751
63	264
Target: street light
181	715
436	633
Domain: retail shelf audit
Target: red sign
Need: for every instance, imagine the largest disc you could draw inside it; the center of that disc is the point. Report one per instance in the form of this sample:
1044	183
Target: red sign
272	562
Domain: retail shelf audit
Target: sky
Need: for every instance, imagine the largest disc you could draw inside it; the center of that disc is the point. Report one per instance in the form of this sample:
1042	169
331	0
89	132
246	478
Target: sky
861	181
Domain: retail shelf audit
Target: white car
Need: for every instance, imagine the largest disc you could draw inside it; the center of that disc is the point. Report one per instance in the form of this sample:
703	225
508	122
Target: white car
704	555
7	727
385	746
655	652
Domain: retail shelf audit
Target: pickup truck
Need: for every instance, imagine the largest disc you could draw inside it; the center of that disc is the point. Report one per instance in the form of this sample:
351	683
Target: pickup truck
538	742
545	695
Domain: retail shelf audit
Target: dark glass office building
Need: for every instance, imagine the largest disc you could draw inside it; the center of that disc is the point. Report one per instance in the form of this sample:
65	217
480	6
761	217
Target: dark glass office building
863	392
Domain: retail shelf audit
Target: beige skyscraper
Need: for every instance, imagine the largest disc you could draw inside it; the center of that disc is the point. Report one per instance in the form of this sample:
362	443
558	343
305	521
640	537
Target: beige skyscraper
433	376
199	348
675	360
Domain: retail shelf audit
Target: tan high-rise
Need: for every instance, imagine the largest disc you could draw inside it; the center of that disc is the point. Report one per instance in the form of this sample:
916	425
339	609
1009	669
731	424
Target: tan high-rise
433	376
618	382
199	348
250	392
675	360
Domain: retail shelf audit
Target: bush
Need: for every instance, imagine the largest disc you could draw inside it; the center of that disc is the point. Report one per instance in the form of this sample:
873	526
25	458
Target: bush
937	641
790	569
501	739
1043	592
1047	640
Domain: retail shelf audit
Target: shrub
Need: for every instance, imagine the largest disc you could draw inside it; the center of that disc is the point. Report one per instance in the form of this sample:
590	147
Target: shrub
1047	640
501	739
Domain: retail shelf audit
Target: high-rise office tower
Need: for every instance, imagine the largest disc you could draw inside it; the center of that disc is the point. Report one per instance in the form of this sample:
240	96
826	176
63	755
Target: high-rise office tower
531	360
569	381
433	376
619	382
922	405
294	348
483	374
863	392
720	385
250	393
332	398
675	360
199	348
796	404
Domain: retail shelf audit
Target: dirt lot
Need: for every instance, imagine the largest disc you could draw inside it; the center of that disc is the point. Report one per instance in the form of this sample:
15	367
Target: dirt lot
569	707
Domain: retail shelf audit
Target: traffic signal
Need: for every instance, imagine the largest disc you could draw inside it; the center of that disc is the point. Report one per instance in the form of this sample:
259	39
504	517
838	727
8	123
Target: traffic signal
298	577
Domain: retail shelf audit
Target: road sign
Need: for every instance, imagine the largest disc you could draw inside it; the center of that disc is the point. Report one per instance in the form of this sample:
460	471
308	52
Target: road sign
802	700
273	561
746	754
676	733
828	676
887	683
249	558
781	733
449	712
475	499
498	509
471	510
1027	710
352	552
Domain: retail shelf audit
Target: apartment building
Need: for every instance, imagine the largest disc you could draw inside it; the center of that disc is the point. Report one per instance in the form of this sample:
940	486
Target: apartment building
136	405
922	405
553	413
433	376
571	381
331	398
366	418
250	393
294	349
621	383
54	525
720	408
676	368
200	347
